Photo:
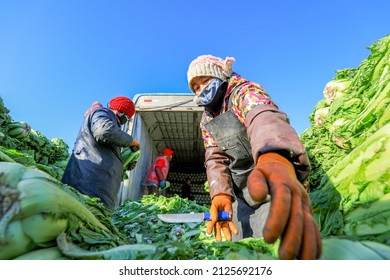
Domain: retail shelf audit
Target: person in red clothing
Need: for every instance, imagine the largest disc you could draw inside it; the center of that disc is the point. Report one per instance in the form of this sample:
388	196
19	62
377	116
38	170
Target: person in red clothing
255	162
156	179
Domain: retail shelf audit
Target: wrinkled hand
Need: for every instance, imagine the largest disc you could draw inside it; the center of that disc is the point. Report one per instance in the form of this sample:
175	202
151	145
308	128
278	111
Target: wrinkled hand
290	217
221	202
135	146
131	165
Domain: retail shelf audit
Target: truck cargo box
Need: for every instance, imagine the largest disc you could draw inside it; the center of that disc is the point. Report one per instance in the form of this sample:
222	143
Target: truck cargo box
167	120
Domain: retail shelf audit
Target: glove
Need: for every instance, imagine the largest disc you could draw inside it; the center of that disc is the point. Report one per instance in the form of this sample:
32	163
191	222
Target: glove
134	146
131	165
290	217
221	202
164	184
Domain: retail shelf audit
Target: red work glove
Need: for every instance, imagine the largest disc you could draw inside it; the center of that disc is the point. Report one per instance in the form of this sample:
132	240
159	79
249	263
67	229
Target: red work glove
134	146
290	217
221	202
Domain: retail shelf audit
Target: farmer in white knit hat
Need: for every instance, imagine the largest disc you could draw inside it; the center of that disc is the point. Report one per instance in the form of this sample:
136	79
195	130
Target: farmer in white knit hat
253	156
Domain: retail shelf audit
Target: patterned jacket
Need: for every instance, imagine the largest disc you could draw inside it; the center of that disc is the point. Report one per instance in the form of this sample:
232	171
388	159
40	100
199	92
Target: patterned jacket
268	130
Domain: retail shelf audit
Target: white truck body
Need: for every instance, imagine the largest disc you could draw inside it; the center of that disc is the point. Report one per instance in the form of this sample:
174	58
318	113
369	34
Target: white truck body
167	120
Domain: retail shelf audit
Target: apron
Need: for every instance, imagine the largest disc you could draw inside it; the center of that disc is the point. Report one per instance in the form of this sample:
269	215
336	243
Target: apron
231	137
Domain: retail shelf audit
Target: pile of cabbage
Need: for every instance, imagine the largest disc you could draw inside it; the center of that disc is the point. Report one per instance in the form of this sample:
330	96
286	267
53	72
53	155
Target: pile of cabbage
38	214
43	219
20	143
348	144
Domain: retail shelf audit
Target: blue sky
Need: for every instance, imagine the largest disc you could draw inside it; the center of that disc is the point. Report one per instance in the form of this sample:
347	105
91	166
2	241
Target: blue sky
57	57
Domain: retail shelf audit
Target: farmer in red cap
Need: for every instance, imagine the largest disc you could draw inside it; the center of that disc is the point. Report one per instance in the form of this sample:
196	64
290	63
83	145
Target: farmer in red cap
95	167
158	173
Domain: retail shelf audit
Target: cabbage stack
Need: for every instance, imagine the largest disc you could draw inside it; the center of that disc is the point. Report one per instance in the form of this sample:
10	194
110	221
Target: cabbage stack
20	143
36	209
348	144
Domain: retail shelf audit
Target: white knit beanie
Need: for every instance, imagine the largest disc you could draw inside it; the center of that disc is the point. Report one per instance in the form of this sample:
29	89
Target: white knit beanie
208	65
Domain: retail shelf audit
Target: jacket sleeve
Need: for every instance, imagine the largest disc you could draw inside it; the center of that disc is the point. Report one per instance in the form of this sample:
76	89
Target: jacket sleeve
106	131
218	174
269	131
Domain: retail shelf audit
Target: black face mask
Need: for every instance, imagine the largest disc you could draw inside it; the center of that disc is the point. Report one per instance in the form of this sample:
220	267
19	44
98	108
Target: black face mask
216	103
122	118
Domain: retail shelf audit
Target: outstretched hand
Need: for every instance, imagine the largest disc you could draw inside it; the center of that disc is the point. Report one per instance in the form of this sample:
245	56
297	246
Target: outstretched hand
290	217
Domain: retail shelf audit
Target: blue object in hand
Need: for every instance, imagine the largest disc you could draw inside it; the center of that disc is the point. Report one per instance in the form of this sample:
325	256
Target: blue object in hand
222	216
162	184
